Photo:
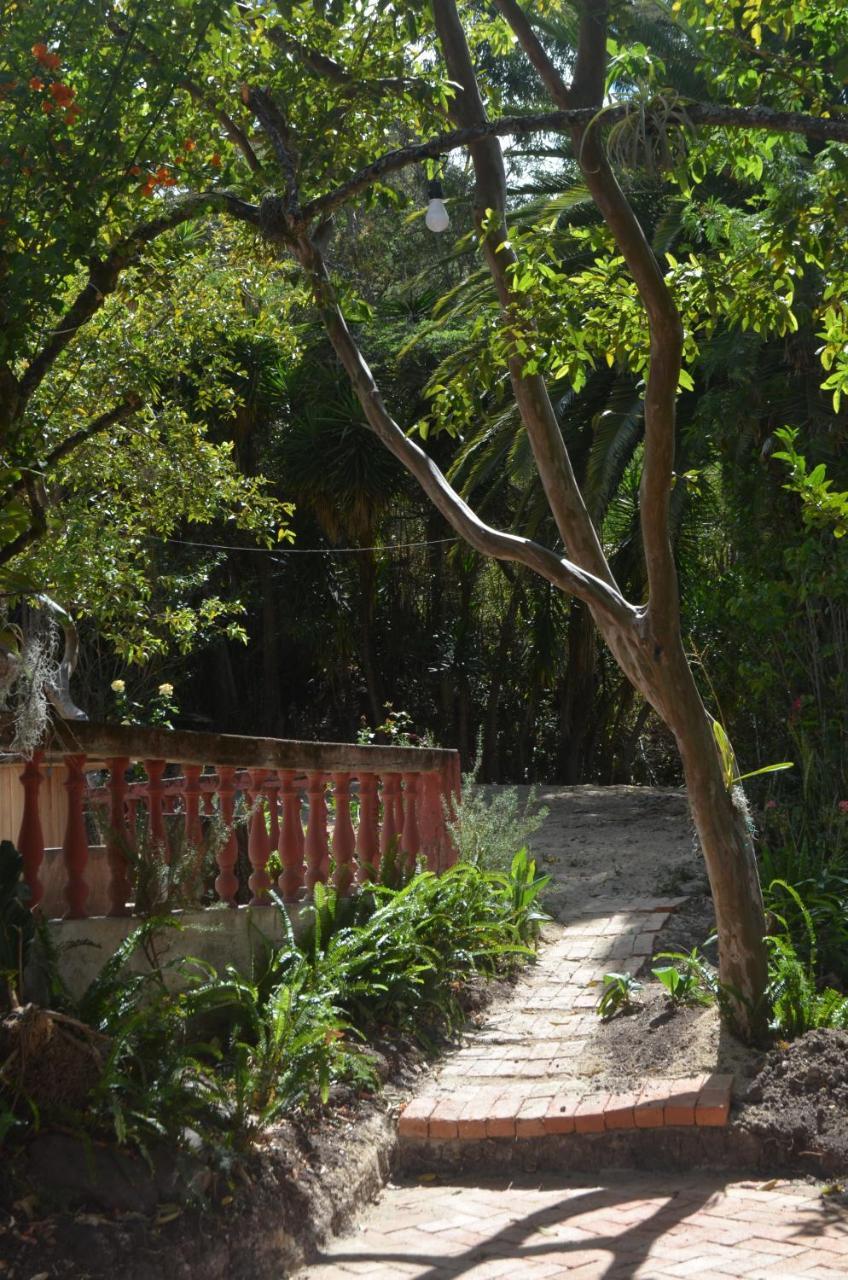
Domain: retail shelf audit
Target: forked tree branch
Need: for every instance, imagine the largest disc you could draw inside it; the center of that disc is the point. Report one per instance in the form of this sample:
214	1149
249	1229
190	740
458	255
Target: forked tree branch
537	414
665	327
603	598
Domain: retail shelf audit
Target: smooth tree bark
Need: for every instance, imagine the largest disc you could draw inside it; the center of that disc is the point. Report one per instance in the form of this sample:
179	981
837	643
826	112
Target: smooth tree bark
645	639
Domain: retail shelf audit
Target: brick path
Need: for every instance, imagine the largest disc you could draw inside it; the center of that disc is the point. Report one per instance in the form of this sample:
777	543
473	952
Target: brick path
635	1225
519	1074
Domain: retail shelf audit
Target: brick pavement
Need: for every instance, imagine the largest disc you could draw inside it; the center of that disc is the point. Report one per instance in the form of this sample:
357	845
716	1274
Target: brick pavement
635	1225
518	1075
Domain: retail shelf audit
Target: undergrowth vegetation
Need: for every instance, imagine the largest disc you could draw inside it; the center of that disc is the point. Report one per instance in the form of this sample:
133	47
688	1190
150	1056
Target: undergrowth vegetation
208	1060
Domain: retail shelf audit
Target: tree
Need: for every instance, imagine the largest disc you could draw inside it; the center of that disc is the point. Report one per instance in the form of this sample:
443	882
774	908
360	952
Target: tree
323	87
102	451
645	639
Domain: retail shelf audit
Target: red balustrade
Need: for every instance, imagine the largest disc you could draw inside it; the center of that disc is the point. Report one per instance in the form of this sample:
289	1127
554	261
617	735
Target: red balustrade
391	828
75	847
152	792
344	840
368	834
410	839
258	844
226	883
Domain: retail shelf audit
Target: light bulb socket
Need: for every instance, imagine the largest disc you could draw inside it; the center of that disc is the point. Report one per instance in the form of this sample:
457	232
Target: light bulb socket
434	190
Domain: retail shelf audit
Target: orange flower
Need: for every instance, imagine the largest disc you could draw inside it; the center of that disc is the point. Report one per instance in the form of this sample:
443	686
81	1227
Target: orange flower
134	170
36	84
190	144
162	173
47	106
62	93
47	59
215	160
72	112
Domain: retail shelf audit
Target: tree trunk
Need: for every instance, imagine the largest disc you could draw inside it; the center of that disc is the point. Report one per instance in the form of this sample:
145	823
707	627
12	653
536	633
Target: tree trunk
723	826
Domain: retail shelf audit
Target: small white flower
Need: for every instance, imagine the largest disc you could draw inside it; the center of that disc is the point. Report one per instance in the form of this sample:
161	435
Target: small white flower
166	690
118	686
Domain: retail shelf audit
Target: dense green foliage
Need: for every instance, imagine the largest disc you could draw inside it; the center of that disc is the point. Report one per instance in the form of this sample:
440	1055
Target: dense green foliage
190	1052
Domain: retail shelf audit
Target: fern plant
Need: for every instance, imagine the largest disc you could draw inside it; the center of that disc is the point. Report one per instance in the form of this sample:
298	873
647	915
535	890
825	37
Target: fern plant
796	1005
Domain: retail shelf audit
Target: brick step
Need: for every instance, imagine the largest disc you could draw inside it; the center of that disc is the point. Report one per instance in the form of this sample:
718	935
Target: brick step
510	1113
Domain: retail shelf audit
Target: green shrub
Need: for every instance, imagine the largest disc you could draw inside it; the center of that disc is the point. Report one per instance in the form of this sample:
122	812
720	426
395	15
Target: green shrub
491	823
619	995
192	1054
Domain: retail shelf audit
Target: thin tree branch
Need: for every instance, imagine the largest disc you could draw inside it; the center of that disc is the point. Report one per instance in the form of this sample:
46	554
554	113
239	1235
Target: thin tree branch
330	69
709	115
104	273
606	600
665	327
130	405
535	51
276	127
537	414
36	527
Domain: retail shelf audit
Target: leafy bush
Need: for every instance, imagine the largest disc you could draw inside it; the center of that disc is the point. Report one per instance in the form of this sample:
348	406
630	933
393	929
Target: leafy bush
490	824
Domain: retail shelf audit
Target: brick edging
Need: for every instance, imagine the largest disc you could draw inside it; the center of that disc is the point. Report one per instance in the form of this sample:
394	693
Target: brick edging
702	1101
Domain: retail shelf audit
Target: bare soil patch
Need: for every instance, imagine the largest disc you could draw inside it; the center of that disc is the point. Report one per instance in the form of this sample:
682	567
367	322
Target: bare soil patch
797	1101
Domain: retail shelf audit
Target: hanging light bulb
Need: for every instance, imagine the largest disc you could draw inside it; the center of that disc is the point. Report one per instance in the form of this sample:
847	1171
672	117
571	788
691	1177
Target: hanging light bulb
436	218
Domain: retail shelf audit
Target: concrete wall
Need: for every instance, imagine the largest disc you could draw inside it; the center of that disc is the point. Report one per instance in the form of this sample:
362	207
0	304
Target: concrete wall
220	936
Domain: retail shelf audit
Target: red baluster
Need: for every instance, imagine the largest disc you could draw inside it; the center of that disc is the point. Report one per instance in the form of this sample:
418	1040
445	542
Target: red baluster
411	840
291	838
155	770
118	838
75	847
392	828
226	883
431	818
258	846
367	836
31	836
191	795
343	838
317	848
